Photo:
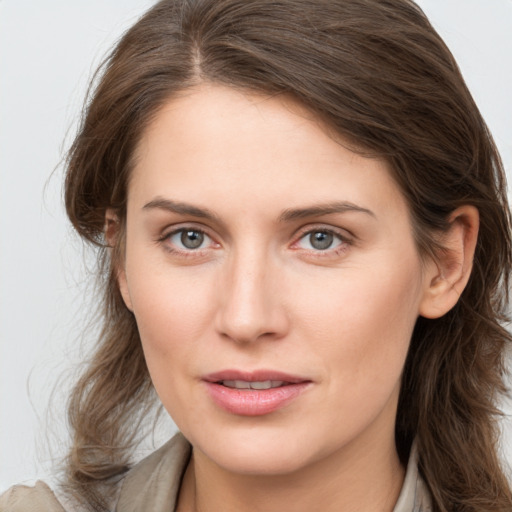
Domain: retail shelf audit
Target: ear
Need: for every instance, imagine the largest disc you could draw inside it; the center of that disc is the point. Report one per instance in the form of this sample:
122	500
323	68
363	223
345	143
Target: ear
447	276
111	227
112	234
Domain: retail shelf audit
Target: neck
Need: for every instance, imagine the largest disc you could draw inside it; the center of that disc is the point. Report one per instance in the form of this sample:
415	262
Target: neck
349	480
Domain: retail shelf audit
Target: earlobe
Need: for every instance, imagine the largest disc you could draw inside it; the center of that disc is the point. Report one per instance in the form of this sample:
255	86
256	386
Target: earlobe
123	288
112	234
446	278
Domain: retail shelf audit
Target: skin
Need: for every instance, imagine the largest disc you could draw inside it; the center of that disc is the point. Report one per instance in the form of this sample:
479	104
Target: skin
257	294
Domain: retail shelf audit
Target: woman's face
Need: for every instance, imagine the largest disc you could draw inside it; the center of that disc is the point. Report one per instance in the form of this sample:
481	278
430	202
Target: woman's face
260	253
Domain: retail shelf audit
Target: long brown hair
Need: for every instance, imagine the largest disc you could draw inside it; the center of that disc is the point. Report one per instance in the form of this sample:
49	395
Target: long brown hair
381	77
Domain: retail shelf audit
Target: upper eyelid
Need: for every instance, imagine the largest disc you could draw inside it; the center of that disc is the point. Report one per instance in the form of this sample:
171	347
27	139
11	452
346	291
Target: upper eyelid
344	234
166	234
191	226
164	240
346	239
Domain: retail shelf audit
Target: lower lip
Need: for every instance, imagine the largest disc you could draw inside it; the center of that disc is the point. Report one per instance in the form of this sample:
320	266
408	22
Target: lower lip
254	402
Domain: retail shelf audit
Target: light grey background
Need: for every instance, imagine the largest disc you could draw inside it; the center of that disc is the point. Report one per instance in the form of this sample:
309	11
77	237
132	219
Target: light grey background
47	53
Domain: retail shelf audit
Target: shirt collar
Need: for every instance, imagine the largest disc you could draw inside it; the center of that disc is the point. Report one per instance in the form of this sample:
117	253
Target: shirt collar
153	484
414	496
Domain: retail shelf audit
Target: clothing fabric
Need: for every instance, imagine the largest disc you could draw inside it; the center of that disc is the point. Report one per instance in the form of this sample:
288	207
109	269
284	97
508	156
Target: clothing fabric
153	484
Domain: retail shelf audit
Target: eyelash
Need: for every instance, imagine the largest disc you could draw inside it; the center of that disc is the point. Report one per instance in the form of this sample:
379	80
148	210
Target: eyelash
187	253
344	242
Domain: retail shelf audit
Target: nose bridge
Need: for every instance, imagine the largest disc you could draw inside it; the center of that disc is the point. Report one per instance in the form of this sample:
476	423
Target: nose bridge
250	307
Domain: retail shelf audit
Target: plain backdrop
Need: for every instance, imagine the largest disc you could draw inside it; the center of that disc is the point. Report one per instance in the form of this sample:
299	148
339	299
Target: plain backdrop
48	51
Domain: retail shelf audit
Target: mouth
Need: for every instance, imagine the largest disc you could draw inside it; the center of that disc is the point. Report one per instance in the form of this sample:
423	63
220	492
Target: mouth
244	384
254	393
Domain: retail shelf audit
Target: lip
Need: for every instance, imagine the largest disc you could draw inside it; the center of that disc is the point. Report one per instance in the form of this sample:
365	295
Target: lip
254	402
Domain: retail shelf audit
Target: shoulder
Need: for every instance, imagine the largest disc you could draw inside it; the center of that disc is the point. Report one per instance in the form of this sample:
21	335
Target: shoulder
22	498
153	484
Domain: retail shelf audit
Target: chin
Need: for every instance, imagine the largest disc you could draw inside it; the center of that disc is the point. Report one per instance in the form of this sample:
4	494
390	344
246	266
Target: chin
257	450
258	461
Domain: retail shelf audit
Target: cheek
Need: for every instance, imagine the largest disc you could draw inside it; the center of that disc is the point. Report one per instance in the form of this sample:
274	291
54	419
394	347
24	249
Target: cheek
361	322
172	315
172	308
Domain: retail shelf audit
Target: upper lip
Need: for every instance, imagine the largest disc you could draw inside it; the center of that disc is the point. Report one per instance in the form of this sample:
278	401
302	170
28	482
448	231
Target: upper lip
253	376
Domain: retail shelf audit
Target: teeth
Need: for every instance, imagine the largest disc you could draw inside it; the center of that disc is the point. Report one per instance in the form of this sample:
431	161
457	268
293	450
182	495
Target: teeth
238	384
242	384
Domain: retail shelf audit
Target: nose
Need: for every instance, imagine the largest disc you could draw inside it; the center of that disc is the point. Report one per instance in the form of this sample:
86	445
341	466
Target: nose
250	300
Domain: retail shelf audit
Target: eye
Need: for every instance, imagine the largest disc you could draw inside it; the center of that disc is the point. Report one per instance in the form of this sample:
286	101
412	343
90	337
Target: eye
320	240
189	239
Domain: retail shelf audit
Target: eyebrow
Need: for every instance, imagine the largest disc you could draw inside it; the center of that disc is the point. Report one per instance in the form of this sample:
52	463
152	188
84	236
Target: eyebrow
286	216
323	209
180	208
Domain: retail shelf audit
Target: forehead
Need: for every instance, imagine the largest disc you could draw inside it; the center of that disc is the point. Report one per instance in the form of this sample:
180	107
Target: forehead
214	143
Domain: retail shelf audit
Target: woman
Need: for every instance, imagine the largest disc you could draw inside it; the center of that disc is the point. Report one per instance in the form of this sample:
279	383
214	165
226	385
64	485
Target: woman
305	244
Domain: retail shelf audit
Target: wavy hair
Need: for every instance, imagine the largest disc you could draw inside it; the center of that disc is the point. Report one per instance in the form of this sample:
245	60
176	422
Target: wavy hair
381	77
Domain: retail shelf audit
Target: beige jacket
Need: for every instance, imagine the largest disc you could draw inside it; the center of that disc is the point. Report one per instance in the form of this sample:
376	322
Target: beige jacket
152	485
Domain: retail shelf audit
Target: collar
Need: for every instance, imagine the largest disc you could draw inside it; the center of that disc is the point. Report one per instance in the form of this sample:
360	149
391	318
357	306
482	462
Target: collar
414	496
153	484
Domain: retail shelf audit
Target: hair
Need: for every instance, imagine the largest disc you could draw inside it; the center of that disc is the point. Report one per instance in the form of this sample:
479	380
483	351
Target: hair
381	77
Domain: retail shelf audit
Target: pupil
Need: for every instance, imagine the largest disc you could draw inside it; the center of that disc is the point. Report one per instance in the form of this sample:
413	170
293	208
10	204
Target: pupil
192	239
320	240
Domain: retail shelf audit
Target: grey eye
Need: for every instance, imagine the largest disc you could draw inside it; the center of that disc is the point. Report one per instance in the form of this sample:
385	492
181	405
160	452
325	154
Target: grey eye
321	240
191	239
